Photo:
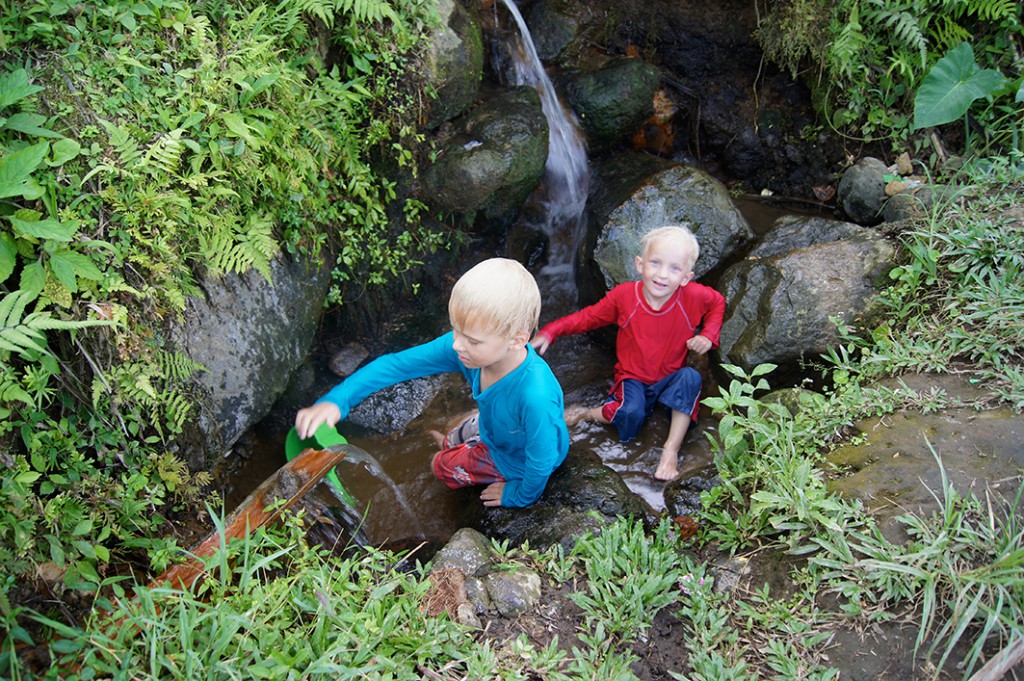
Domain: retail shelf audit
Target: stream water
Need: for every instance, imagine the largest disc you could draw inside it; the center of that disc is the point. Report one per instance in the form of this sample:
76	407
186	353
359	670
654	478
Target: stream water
399	500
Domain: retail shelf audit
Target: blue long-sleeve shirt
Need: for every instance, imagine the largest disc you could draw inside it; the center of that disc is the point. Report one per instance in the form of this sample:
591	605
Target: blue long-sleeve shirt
521	416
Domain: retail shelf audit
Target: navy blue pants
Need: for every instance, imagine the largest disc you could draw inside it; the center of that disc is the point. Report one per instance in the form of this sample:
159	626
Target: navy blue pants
631	402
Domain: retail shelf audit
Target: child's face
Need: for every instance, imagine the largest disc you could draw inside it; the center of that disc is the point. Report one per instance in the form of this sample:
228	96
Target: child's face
663	268
479	348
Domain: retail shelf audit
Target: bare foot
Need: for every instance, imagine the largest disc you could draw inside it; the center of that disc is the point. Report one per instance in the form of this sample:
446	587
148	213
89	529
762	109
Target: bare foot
575	413
437	436
668	468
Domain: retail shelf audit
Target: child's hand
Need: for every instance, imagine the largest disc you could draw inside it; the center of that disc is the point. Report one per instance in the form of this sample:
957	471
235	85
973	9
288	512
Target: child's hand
540	344
699	344
310	418
491	496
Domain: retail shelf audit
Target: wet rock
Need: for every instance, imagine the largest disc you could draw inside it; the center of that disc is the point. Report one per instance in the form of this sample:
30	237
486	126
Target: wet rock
861	193
682	496
493	160
613	101
250	334
347	360
555	25
797	231
528	244
391	409
795	400
906	206
453	61
467	550
582	496
778	308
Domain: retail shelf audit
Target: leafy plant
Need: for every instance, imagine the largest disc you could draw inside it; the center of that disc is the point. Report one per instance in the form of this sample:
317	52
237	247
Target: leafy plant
865	59
955	83
630	577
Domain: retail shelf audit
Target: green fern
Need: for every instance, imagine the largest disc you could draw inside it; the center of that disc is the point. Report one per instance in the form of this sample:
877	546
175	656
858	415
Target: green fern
947	34
232	249
900	19
176	366
25	335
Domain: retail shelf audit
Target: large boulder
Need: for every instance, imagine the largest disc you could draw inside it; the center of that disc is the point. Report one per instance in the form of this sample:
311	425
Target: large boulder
582	496
493	160
453	61
638	193
250	334
778	305
557	27
612	102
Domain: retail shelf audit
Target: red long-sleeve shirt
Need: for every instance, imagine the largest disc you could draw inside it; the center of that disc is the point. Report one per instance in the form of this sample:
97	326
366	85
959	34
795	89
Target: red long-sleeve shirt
651	344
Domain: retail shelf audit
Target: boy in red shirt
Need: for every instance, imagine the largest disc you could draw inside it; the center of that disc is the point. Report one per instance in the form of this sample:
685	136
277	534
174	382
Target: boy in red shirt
660	318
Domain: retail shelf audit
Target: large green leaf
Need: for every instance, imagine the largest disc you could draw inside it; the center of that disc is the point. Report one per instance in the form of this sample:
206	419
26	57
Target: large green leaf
16	172
8	256
27	224
14	86
954	83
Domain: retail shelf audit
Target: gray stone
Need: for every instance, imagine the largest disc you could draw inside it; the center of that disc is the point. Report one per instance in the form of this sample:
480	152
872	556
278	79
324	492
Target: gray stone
453	61
467	550
493	160
391	409
778	308
513	593
250	334
861	193
614	100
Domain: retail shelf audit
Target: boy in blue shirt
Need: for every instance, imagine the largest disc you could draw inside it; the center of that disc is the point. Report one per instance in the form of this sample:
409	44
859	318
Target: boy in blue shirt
518	437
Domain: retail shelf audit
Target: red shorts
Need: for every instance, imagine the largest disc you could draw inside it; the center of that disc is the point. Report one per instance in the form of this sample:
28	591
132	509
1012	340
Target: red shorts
465	460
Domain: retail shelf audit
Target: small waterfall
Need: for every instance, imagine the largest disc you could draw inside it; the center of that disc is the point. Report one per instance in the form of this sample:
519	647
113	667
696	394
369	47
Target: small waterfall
567	177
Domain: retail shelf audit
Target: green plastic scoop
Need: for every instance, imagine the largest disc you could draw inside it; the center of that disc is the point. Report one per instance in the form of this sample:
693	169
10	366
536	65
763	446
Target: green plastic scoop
324	437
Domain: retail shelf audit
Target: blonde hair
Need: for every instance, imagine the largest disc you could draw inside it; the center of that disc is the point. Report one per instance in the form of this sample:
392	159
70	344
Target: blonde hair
679	234
497	295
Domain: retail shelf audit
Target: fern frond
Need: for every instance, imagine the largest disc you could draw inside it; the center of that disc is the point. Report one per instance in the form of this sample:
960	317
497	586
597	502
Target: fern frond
259	244
125	145
947	34
176	366
905	29
995	10
848	44
165	153
16	335
320	9
367	10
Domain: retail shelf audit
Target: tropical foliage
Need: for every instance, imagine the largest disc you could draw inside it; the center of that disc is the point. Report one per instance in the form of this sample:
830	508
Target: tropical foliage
145	146
866	59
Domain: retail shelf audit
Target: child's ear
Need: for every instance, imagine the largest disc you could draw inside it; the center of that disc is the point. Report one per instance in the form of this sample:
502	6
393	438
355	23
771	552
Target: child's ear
520	339
639	265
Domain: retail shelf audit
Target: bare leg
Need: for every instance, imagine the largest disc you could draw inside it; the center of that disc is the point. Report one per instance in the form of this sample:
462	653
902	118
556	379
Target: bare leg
576	413
668	466
453	423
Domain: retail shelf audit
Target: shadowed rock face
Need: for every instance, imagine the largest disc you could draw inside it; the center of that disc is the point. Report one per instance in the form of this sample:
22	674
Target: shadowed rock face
493	161
250	334
780	305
